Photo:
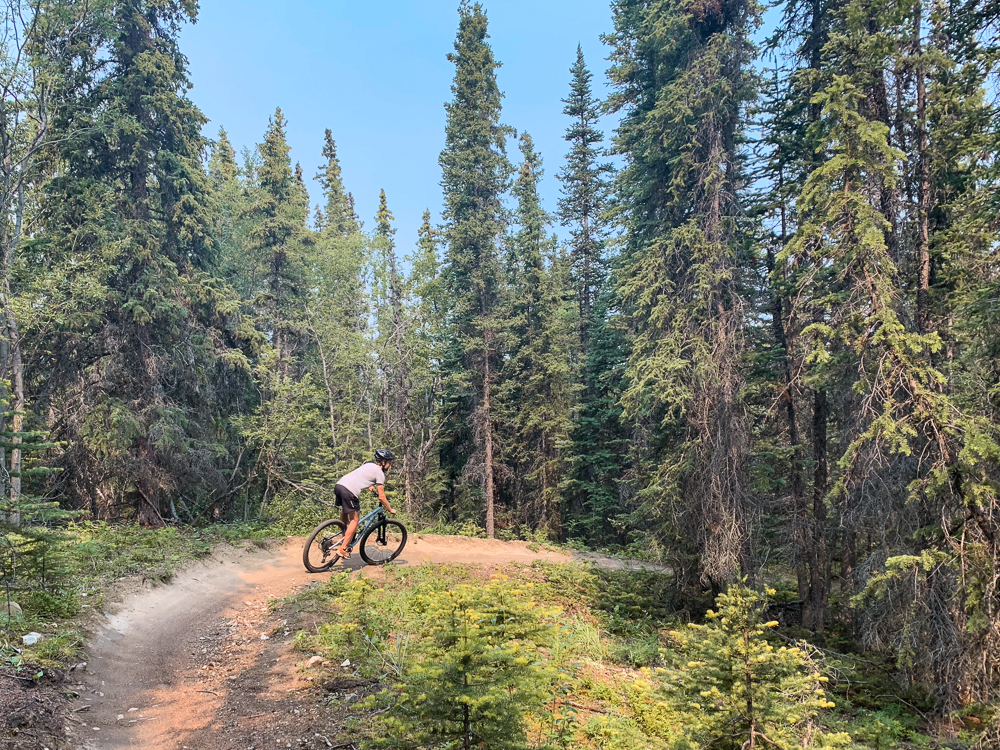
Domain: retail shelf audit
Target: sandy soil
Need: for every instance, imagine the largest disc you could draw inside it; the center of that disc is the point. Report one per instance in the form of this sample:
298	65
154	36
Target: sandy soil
204	663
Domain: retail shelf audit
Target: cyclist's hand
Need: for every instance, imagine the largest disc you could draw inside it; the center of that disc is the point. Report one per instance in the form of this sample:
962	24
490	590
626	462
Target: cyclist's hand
392	511
373	490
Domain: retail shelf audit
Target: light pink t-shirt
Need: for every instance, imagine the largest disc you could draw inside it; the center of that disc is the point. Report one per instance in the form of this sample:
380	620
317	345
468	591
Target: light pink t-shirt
362	478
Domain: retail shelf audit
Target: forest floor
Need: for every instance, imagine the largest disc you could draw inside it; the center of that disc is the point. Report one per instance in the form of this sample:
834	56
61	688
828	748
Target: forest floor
208	660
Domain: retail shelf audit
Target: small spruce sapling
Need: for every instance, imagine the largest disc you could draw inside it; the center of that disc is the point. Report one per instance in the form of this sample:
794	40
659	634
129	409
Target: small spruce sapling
479	675
730	688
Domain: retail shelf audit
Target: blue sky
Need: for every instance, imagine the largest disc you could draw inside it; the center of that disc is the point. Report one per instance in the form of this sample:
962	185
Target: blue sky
377	75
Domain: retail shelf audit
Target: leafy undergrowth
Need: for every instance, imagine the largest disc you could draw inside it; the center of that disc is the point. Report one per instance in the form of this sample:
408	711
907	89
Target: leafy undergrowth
55	576
561	655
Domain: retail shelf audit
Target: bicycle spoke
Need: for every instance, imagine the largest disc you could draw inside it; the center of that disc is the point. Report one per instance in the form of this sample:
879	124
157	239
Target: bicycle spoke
383	543
321	549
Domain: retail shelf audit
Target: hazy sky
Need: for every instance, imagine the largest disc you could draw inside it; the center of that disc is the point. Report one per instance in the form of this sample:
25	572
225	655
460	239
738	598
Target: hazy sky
377	75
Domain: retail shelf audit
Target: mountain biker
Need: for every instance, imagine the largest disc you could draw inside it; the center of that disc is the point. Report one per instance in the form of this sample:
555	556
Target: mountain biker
349	487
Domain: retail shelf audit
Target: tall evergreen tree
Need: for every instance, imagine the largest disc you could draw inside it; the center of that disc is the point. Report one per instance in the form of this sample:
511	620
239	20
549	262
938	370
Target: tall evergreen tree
599	453
128	378
681	74
45	45
338	312
278	240
790	152
539	390
338	213
475	176
585	194
428	300
395	346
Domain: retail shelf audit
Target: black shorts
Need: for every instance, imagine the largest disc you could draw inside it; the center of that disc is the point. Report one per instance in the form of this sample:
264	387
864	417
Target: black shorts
347	499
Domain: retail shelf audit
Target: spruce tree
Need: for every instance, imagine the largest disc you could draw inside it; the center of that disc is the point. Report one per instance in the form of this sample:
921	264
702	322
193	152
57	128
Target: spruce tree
233	220
789	154
538	389
476	676
338	213
428	304
133	200
337	312
395	344
681	76
585	195
599	453
278	238
475	176
732	688
900	410
598	488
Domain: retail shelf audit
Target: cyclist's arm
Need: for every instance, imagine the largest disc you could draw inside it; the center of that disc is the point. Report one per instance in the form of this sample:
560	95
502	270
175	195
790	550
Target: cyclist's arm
382	499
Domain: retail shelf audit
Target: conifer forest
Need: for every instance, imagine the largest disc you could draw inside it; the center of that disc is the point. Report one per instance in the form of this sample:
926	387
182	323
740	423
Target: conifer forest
757	338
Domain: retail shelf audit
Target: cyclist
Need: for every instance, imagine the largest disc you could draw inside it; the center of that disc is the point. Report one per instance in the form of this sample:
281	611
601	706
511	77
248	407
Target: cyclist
367	476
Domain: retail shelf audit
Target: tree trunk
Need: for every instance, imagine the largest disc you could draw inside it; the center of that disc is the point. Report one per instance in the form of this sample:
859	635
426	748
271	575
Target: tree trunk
17	416
329	390
12	363
488	427
814	611
923	185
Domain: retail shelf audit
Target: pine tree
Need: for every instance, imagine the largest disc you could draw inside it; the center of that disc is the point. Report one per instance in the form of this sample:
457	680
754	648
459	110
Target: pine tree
681	74
475	176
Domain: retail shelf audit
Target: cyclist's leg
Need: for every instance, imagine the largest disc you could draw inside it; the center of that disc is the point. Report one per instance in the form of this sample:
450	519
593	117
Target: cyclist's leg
350	514
352	525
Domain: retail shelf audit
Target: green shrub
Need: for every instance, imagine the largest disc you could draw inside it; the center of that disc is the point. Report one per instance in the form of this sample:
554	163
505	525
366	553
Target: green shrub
291	514
729	688
476	673
884	728
52	604
619	733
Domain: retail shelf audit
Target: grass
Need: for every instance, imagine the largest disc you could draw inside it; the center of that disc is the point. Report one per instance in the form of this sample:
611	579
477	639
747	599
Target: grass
65	579
611	639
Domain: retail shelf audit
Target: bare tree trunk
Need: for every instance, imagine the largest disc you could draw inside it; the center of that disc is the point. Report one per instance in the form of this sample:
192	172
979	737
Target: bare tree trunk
488	427
17	416
12	363
923	185
815	605
329	390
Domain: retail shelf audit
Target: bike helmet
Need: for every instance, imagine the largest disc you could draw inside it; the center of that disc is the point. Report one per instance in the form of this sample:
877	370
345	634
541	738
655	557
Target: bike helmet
384	454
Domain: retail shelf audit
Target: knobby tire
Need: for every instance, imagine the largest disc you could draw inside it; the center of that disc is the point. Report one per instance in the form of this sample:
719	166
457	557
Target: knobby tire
383	542
317	533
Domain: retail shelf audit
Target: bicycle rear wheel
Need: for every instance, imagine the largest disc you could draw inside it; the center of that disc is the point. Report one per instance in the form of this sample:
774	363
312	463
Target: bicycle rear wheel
320	552
383	542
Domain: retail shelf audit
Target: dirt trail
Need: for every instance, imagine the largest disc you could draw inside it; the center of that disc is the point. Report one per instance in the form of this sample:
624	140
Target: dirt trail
202	663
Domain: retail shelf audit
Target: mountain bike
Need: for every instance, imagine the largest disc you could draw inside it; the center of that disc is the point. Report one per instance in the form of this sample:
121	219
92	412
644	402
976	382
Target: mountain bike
380	541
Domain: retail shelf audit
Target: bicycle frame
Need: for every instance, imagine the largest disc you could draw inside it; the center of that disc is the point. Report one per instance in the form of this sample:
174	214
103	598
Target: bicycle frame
373	518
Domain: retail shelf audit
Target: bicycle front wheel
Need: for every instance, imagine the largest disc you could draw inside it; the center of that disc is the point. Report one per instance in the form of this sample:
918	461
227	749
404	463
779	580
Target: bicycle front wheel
383	542
320	552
